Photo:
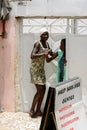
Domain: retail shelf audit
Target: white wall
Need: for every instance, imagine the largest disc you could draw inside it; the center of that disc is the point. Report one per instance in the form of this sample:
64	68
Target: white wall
77	63
50	8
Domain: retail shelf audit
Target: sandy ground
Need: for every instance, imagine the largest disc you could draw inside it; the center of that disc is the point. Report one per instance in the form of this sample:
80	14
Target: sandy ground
18	121
22	121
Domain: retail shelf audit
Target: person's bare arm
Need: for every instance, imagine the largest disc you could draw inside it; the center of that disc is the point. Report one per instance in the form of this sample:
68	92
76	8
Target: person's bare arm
35	52
50	58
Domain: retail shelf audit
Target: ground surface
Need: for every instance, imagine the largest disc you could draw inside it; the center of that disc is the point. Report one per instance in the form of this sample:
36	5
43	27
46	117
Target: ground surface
18	121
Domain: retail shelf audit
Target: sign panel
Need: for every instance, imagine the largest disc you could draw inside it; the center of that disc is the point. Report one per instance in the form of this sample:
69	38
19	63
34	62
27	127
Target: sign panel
68	92
69	110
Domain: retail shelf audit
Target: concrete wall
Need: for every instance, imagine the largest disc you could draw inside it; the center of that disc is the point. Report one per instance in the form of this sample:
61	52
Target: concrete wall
8	46
7	66
56	8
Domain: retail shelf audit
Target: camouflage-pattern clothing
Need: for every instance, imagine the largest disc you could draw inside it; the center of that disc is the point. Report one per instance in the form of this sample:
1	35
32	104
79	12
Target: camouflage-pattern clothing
37	71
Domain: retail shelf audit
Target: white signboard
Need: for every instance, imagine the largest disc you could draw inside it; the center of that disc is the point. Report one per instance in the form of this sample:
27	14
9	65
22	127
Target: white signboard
69	110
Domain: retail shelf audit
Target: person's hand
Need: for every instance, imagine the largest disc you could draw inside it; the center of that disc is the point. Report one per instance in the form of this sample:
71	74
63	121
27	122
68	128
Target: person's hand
65	62
48	51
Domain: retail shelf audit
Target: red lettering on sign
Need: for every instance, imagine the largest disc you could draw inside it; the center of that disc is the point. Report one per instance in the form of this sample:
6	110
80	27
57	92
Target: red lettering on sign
71	129
69	122
67	115
65	108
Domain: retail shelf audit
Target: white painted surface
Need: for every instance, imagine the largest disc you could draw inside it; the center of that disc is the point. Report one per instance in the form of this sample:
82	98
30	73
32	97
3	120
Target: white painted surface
76	64
77	52
51	8
69	109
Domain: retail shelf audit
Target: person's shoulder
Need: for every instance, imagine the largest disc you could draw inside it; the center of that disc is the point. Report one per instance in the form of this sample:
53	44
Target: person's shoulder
60	52
36	43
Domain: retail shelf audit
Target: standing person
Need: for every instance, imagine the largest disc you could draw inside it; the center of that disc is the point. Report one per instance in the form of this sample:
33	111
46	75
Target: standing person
37	72
61	68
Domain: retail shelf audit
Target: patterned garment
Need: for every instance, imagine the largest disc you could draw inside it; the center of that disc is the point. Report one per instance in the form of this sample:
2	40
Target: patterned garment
37	71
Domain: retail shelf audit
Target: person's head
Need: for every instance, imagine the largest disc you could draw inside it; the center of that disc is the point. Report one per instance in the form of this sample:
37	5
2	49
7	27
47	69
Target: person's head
44	35
63	45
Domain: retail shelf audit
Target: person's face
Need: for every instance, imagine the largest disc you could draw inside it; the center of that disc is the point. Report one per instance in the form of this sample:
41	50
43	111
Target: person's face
45	36
62	46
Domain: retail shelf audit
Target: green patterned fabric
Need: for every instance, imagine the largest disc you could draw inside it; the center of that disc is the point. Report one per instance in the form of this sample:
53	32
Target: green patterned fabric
37	71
